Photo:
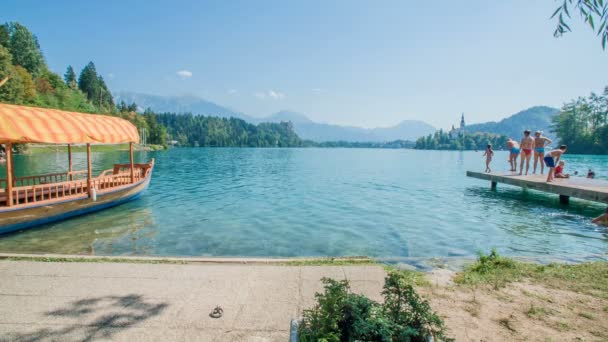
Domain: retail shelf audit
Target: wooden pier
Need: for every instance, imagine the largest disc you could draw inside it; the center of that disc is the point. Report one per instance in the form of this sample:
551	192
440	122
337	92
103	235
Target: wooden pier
577	187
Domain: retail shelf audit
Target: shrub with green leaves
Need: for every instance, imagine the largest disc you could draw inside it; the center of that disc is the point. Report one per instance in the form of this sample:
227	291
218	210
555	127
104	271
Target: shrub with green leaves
340	315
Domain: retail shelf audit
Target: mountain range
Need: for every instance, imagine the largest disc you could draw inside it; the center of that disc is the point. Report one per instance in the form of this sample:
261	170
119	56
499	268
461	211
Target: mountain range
534	118
304	127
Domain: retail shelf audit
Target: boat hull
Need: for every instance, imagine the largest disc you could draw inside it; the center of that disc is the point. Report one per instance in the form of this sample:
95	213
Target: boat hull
12	220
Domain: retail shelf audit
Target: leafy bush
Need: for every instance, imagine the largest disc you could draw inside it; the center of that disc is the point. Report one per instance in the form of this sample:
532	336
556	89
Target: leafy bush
340	315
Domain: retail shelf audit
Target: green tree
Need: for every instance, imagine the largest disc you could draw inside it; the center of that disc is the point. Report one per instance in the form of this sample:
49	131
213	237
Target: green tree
27	82
4	36
25	49
582	124
593	12
70	78
12	90
88	82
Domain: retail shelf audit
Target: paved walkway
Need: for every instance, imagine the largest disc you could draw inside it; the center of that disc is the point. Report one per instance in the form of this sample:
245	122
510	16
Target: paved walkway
56	301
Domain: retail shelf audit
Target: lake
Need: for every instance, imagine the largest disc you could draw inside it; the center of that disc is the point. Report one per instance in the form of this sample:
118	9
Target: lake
321	202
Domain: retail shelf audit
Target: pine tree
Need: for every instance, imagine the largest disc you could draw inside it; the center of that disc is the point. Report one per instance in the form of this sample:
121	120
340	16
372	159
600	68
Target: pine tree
88	82
70	78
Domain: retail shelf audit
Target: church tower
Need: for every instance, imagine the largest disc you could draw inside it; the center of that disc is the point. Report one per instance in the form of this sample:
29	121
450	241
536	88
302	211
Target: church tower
462	123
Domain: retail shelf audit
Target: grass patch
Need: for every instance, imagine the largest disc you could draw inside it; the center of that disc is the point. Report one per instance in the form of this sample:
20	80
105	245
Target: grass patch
537	312
493	269
346	261
589	278
415	278
586	315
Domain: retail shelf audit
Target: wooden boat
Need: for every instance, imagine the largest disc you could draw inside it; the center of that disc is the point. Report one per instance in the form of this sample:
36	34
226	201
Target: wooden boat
34	200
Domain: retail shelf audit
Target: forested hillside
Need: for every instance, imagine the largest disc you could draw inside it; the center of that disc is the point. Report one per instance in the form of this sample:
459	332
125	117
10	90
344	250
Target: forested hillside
25	79
535	119
209	131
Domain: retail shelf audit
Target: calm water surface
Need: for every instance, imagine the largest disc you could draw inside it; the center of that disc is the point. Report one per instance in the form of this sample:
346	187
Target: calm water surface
321	202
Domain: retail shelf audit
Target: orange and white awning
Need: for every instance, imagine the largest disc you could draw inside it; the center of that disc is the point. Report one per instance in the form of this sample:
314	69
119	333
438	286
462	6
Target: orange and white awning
21	124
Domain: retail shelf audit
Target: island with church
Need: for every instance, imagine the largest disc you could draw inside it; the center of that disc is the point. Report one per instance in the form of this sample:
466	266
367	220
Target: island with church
459	139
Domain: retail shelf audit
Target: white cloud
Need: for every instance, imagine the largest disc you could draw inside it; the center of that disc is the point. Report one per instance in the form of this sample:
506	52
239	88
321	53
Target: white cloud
111	76
184	74
232	91
275	94
317	90
271	94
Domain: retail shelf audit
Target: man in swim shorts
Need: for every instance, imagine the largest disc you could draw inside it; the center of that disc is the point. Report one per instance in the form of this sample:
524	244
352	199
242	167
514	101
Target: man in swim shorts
513	148
527	144
551	159
540	142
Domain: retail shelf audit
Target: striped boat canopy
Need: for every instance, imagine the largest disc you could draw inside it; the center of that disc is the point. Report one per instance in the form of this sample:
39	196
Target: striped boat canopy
20	124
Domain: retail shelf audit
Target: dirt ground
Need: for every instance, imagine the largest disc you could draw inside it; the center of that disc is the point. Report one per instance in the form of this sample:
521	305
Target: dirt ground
521	311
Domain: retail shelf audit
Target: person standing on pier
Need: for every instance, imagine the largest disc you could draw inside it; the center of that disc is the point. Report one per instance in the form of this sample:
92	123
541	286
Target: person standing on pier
540	142
513	148
527	144
551	159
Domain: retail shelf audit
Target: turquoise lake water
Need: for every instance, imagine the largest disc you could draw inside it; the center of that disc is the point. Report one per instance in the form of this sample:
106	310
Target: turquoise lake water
321	202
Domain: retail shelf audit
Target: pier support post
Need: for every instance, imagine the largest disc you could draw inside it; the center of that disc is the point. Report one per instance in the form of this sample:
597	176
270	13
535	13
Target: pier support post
9	174
89	171
493	185
131	157
70	162
563	199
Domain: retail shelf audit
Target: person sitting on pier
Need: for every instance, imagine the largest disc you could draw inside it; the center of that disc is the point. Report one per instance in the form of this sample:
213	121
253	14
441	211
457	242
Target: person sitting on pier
513	148
488	154
527	143
602	220
540	142
559	170
551	158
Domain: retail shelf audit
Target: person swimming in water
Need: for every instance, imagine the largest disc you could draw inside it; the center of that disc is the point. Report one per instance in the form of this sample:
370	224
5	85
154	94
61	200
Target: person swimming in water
513	148
540	142
602	220
551	159
488	154
527	143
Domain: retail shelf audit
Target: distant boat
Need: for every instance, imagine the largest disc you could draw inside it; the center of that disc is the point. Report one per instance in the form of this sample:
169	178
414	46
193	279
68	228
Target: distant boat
29	201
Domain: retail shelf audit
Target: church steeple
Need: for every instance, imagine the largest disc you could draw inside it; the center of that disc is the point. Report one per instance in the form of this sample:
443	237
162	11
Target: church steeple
462	122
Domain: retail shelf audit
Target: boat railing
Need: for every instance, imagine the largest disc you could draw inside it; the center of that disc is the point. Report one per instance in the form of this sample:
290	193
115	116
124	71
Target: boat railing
34	189
46	179
35	193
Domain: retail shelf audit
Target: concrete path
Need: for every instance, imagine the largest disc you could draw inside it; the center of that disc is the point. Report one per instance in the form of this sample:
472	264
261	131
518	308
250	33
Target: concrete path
53	301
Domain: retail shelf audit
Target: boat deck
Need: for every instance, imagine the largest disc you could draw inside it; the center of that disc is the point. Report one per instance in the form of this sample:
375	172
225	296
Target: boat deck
578	187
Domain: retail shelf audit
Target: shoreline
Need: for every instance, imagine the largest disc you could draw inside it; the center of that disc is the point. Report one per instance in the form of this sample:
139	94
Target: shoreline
417	264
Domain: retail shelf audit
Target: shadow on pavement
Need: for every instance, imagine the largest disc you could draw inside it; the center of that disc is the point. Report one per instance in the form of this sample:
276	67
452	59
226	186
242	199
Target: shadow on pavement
97	318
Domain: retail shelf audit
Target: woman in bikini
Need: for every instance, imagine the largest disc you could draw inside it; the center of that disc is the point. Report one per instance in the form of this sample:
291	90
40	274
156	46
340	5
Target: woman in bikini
540	142
527	143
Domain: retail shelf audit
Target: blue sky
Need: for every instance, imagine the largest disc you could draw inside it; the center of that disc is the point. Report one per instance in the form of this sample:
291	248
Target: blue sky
363	63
